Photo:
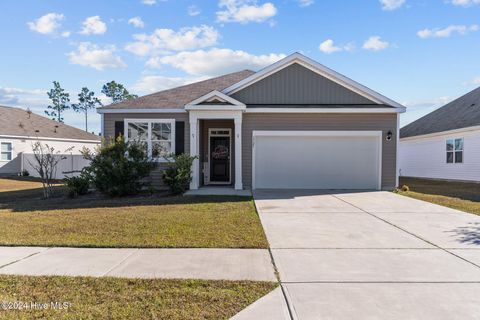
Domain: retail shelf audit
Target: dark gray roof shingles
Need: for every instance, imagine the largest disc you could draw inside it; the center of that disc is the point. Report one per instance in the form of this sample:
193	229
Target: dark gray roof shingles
177	98
461	113
19	122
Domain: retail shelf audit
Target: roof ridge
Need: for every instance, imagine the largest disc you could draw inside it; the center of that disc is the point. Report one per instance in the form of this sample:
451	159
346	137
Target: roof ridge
186	85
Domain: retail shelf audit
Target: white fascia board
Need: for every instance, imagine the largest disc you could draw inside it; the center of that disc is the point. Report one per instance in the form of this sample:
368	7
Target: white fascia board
210	95
215	107
441	133
318	68
48	139
306	133
325	110
102	111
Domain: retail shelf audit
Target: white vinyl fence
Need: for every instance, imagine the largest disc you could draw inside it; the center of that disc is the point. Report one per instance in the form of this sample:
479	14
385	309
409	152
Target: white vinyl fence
70	166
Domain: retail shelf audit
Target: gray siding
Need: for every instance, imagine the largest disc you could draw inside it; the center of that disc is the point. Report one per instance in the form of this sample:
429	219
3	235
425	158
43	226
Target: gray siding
109	127
298	85
313	122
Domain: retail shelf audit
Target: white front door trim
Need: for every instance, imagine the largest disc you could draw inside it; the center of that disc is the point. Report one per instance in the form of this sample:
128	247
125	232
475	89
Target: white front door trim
212	134
377	134
194	117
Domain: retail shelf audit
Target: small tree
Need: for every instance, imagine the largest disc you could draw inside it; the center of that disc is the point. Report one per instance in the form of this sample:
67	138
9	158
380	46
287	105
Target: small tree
117	168
60	102
178	175
45	163
117	92
86	101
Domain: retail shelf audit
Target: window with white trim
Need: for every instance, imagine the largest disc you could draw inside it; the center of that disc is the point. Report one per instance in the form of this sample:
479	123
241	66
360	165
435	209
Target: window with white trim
158	135
6	151
454	148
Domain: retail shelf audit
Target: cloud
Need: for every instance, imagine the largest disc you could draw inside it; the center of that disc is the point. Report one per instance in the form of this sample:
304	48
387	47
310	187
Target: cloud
390	5
149	2
215	61
47	24
328	46
91	55
137	22
305	3
17	97
465	3
193	11
154	83
66	34
245	11
446	32
162	40
375	43
436	102
93	25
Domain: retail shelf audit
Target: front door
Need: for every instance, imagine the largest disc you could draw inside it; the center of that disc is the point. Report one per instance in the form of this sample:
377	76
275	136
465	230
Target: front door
220	159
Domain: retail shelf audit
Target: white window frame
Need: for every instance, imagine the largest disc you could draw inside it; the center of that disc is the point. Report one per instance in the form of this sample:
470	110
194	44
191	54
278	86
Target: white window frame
454	151
11	150
149	134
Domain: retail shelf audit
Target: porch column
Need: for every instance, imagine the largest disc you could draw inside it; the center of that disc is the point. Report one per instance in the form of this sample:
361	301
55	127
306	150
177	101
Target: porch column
194	152
238	152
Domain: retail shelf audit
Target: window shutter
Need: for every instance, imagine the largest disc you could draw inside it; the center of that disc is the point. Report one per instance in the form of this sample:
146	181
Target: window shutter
119	129
179	137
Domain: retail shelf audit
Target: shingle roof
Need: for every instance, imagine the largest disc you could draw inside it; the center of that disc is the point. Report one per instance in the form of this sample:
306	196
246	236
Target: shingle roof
461	113
19	122
177	98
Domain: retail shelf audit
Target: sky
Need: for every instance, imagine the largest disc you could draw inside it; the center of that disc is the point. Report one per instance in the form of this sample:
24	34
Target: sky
421	53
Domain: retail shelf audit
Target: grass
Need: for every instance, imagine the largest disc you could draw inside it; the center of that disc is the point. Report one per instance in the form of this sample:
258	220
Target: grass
17	188
143	221
114	298
462	196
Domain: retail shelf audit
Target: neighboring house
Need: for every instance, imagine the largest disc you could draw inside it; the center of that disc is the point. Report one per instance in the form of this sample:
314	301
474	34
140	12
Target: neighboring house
21	129
293	124
444	144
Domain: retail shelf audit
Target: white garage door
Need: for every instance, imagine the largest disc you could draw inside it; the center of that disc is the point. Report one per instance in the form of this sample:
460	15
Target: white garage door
316	160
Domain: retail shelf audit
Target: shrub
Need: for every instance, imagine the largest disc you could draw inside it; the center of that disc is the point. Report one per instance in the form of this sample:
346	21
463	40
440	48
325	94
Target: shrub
78	185
178	175
405	188
24	173
117	167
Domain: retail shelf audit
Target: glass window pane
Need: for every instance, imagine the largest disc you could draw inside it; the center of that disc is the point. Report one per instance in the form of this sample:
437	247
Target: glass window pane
6	147
161	131
459	157
6	156
449	157
161	148
449	145
458	144
138	131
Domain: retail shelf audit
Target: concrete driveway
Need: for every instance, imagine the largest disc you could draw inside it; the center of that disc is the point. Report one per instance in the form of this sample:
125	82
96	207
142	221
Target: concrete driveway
372	255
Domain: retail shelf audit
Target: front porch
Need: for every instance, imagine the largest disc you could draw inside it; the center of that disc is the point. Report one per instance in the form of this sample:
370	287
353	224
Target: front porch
216	140
218	191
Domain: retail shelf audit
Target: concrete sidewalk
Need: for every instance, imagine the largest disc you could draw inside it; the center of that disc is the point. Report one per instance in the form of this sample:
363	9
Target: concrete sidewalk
211	264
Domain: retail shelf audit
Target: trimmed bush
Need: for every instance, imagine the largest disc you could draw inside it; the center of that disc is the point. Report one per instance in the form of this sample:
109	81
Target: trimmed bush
178	175
117	167
78	185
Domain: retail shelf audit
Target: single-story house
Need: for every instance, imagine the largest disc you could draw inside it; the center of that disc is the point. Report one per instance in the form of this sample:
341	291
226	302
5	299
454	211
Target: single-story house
20	129
444	144
294	124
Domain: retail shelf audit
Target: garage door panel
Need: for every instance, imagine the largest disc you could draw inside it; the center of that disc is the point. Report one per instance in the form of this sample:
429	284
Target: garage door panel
316	162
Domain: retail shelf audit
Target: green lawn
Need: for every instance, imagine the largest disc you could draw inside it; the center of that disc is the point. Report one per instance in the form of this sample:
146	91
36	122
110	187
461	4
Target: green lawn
457	195
112	298
143	221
